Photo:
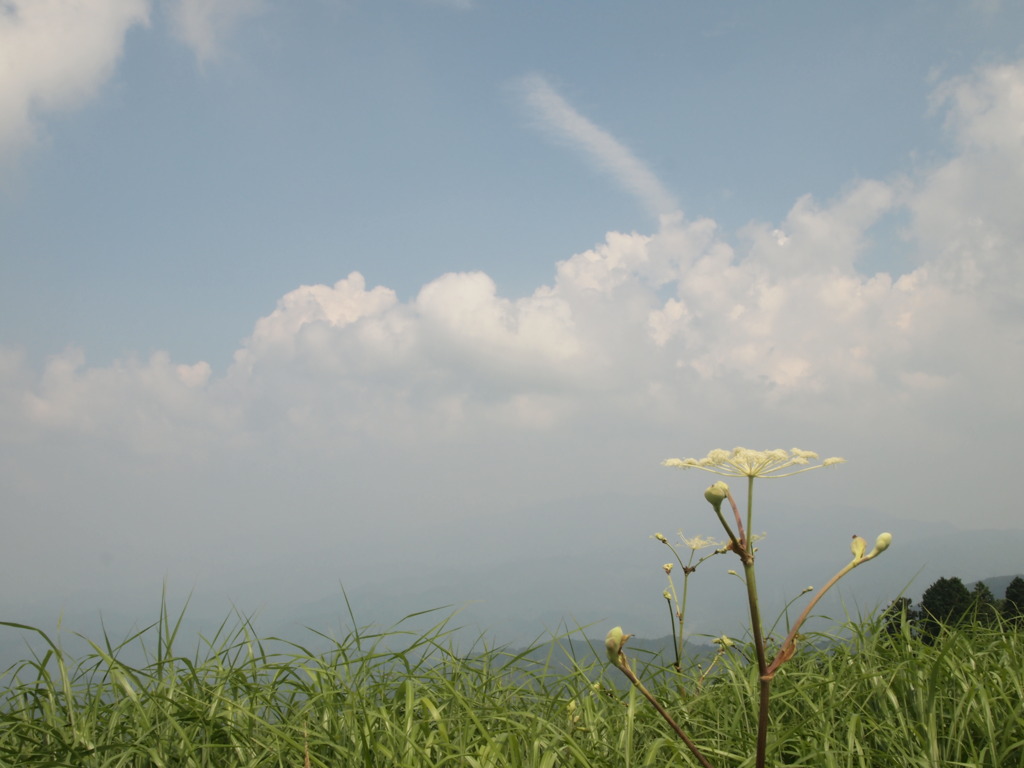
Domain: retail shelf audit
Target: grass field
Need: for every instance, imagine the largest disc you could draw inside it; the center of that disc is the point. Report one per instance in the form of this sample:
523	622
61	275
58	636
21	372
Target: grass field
395	699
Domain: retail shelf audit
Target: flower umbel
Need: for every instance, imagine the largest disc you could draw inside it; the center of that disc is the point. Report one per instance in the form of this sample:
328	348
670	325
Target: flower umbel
696	543
743	462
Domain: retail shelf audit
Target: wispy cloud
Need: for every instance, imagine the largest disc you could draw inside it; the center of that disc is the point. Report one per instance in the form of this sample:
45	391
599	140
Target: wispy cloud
204	24
561	119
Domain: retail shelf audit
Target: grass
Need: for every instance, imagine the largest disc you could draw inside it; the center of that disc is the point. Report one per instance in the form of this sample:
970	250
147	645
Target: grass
400	699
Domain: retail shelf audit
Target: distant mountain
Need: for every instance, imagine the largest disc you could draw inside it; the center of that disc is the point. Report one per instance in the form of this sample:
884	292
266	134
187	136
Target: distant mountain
997	584
547	573
580	565
584	651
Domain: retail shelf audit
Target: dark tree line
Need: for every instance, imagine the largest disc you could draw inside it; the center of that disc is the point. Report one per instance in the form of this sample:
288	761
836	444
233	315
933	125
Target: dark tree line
948	602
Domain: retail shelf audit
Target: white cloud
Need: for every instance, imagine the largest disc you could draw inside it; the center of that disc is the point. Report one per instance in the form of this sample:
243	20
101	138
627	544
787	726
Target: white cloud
55	54
559	117
279	334
966	214
205	24
154	406
813	239
462	314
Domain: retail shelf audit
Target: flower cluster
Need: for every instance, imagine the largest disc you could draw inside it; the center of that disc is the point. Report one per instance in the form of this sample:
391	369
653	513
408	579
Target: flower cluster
696	543
743	462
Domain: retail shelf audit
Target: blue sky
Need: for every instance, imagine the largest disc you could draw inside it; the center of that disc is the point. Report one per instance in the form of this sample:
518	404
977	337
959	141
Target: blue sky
388	138
285	274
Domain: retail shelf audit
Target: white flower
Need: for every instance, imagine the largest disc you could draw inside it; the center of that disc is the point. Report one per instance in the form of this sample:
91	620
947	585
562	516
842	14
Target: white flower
743	462
698	542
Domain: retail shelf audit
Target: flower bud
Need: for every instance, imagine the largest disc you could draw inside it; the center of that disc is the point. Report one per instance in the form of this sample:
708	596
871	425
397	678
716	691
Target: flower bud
716	494
613	643
668	568
881	544
858	546
661	537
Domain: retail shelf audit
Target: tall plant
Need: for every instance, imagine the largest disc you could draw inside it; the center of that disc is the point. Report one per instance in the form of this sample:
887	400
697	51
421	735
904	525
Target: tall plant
749	464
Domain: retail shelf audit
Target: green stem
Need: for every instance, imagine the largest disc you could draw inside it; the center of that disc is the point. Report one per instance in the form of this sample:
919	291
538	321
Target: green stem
737	547
682	608
750	515
672	618
764	679
762	722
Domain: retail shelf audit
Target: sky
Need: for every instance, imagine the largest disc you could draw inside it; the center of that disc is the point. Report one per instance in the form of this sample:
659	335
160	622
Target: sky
413	297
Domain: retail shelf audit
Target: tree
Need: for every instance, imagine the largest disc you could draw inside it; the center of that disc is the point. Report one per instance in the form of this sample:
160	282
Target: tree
1013	605
984	605
945	603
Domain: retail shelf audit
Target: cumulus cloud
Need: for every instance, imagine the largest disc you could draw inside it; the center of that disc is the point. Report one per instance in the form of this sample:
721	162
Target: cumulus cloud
559	118
152	406
205	24
966	214
55	54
